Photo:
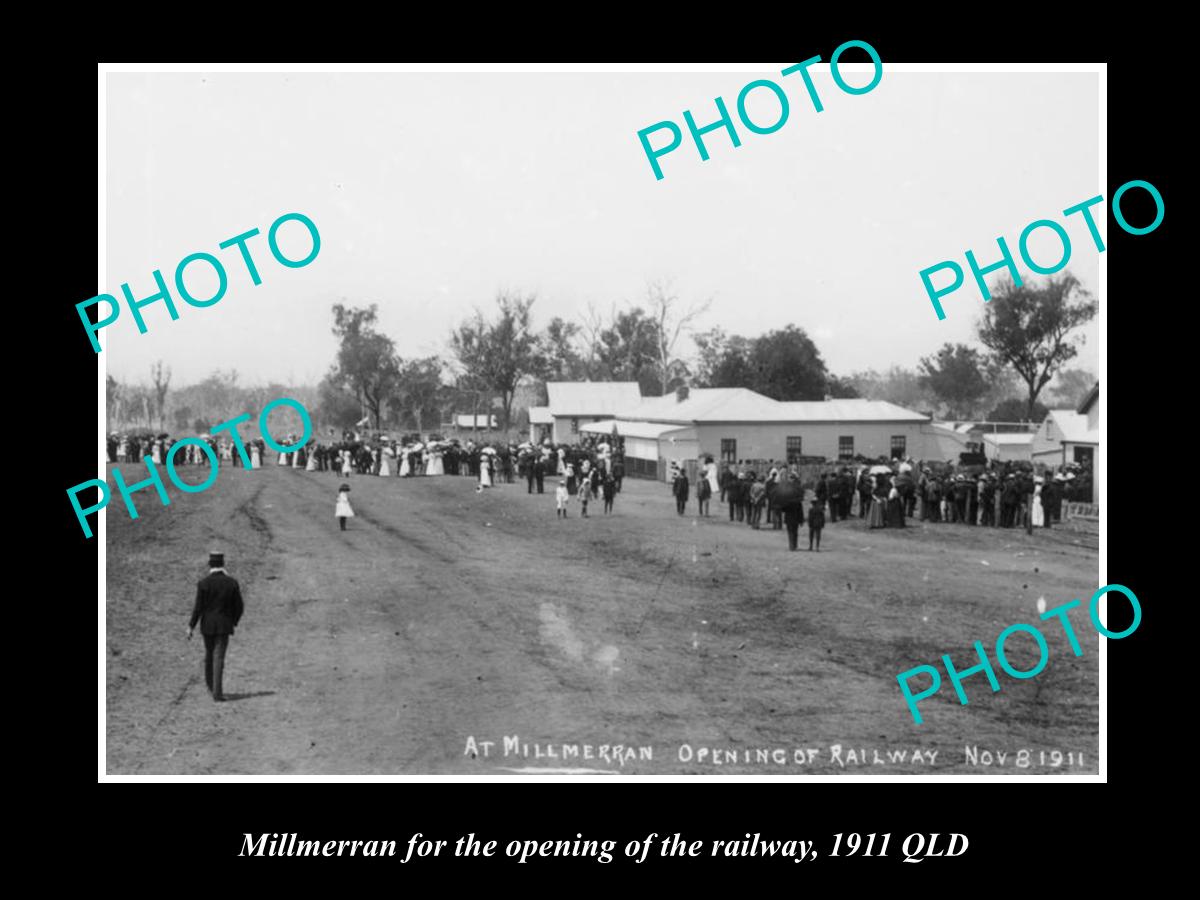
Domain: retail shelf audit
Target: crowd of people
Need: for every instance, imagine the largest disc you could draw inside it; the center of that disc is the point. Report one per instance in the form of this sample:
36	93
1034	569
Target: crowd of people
141	445
1004	495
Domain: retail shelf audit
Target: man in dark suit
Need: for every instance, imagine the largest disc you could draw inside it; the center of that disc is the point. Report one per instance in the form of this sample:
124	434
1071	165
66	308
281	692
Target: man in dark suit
218	609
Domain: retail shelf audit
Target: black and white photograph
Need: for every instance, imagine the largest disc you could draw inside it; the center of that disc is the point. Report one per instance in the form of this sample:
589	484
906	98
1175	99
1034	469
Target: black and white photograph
580	422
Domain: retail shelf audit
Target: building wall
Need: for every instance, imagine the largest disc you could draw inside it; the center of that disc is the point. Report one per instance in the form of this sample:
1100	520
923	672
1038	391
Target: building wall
769	441
562	427
1093	415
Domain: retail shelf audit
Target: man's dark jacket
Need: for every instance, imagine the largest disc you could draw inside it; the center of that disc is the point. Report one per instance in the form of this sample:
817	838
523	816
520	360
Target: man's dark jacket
218	604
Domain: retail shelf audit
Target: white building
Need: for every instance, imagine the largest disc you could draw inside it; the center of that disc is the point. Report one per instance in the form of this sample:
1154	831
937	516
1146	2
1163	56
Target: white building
576	403
737	425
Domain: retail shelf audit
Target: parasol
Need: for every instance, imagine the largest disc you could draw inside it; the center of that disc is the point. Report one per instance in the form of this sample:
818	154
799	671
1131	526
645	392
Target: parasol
880	470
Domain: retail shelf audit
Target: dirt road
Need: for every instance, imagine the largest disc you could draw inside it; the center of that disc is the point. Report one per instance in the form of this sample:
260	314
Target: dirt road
449	631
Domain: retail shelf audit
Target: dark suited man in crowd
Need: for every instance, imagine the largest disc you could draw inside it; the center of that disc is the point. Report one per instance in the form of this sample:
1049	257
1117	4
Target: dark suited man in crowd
835	487
218	610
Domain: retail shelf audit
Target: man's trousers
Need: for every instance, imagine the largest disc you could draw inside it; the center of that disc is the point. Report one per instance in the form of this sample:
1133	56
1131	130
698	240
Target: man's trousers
214	662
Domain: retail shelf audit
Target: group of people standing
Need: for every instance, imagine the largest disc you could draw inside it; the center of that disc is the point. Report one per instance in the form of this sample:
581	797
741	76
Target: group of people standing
885	496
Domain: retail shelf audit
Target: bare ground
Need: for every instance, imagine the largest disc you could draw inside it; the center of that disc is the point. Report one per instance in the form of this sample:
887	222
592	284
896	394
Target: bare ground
445	618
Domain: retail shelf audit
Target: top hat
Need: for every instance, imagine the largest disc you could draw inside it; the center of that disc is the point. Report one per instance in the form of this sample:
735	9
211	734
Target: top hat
216	559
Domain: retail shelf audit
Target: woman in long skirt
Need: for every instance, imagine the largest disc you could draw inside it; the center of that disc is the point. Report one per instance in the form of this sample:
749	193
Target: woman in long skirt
485	470
405	469
1037	511
895	509
877	517
346	468
312	458
255	457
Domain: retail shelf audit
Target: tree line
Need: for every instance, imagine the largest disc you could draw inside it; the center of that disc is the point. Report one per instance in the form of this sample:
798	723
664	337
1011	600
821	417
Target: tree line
1027	336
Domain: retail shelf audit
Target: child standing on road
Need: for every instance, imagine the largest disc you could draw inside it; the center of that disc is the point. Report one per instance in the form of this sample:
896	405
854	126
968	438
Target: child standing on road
560	498
610	491
343	510
816	521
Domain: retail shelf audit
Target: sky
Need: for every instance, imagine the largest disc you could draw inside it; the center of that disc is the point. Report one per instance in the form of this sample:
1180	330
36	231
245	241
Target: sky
432	192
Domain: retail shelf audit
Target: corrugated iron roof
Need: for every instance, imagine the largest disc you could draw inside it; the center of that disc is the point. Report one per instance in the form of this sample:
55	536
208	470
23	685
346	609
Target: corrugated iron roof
1014	438
591	398
703	405
625	428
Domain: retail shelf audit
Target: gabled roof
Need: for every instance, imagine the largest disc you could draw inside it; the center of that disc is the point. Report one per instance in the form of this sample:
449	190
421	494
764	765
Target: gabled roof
540	415
744	405
591	398
631	429
704	405
1073	425
1089	398
1011	438
848	411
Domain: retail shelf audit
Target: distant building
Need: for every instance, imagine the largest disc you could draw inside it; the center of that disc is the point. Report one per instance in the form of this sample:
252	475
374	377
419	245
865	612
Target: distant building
1064	437
470	422
1008	446
541	424
1089	407
576	403
736	424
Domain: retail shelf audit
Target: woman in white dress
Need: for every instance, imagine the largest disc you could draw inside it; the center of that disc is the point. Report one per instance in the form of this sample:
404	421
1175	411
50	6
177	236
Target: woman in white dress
123	451
311	451
710	472
485	470
1038	513
346	463
438	467
156	453
295	453
283	459
385	470
255	457
404	469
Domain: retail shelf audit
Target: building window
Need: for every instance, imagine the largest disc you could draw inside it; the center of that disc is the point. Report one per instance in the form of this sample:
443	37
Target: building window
728	450
574	426
845	447
793	450
899	445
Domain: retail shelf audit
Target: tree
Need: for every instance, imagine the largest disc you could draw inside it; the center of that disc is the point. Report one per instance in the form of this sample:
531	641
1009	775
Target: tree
335	405
418	388
1029	328
897	385
1069	388
114	399
842	388
497	355
1017	410
670	321
955	375
786	365
161	381
562	360
628	350
366	363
